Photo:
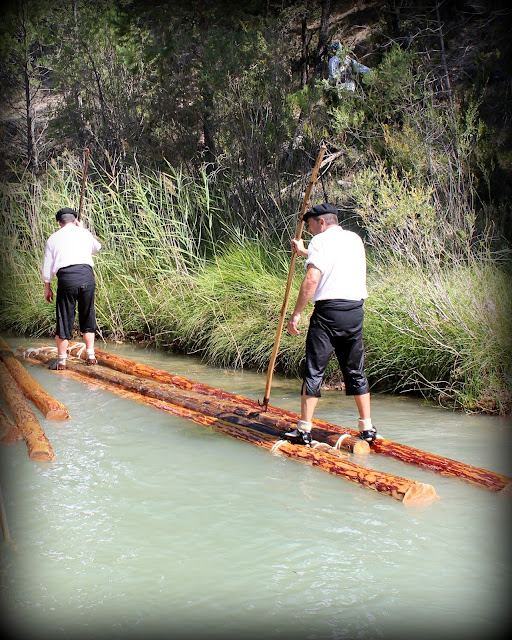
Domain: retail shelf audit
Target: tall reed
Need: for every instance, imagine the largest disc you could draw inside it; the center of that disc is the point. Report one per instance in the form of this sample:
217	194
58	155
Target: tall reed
176	269
442	332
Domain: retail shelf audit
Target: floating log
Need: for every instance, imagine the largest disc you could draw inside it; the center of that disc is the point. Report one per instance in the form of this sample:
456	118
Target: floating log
52	409
38	445
207	404
407	491
193	406
9	432
322	431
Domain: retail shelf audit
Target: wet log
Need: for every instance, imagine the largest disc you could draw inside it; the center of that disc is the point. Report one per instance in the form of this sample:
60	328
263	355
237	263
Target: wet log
9	432
322	431
161	385
444	466
51	409
242	428
407	491
39	447
227	410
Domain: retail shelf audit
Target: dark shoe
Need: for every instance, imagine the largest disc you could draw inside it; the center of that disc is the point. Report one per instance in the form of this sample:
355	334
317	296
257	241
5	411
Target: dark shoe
299	437
90	361
369	435
306	438
61	367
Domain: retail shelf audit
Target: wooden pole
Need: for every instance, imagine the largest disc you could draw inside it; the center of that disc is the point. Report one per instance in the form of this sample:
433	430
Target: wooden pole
52	409
3	518
298	234
84	176
187	405
433	462
38	445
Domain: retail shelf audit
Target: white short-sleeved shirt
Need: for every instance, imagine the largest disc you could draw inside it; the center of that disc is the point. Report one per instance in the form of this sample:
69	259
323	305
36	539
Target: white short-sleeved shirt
340	256
67	246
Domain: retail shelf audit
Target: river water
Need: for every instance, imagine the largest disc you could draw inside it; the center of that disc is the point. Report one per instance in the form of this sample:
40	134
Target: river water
150	526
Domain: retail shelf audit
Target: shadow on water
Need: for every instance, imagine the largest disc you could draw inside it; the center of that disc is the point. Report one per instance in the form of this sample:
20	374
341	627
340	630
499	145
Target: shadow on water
147	525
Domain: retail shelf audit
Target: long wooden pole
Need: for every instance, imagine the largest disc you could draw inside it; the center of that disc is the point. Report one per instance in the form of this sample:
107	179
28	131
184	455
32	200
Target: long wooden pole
3	518
282	316
86	164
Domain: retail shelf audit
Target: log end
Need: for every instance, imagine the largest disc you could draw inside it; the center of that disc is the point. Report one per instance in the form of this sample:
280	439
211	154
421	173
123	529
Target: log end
420	494
58	414
360	446
350	443
507	490
42	456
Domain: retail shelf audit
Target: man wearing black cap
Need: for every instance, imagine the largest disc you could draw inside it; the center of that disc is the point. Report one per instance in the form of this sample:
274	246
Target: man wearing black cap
336	282
68	255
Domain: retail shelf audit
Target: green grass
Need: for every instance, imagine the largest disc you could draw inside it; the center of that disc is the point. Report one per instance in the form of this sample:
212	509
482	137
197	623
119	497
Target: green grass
444	333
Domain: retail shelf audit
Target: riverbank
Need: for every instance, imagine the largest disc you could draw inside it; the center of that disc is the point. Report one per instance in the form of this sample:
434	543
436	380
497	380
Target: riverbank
440	338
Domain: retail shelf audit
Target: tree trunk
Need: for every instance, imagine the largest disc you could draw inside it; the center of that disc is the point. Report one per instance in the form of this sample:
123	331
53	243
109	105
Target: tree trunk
323	37
443	52
32	152
82	134
304	46
209	141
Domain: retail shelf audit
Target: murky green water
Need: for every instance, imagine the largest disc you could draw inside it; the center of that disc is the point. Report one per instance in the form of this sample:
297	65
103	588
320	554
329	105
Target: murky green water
149	526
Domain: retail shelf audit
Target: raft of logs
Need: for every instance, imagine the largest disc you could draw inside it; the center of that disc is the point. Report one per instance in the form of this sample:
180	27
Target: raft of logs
244	419
281	420
231	418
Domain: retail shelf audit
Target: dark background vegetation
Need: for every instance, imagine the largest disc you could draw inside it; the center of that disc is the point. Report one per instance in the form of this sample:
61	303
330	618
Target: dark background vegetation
195	84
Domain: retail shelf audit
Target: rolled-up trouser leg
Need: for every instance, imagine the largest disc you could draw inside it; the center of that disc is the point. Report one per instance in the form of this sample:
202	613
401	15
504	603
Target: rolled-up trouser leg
350	355
318	353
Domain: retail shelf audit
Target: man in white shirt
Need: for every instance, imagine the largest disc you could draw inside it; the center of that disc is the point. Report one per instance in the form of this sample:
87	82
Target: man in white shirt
68	255
335	281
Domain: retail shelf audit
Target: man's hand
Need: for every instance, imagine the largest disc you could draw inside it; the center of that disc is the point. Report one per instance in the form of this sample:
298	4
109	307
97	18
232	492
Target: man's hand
48	293
293	324
298	247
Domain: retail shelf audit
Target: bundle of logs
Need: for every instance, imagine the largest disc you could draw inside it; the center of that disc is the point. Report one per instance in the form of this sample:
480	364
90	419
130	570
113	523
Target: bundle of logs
17	388
244	419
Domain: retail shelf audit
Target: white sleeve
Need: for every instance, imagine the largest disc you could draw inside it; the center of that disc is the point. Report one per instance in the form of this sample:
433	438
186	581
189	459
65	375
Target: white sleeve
47	272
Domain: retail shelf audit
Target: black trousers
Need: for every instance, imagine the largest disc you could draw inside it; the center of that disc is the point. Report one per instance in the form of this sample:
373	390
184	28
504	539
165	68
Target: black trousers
76	288
336	325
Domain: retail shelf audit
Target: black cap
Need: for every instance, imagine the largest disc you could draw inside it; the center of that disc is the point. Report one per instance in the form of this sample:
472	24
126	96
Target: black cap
320	210
64	211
